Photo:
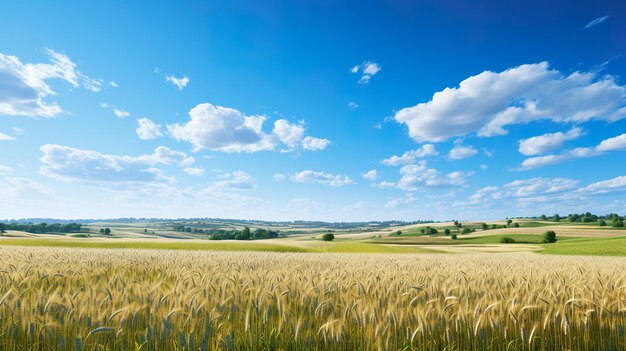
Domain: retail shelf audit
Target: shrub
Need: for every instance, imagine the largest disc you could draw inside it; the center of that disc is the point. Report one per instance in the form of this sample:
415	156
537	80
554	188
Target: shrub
602	223
485	226
618	224
328	237
446	231
549	237
516	225
453	236
507	240
399	232
467	230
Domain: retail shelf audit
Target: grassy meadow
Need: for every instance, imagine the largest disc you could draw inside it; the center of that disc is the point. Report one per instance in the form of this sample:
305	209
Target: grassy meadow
129	299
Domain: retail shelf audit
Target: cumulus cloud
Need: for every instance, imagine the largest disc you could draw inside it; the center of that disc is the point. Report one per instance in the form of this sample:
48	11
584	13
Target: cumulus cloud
4	137
527	188
194	171
147	129
313	177
488	102
121	113
611	144
76	165
410	156
314	144
225	129
534	191
24	87
419	176
547	142
371	175
180	83
289	133
368	69
459	152
596	21
237	180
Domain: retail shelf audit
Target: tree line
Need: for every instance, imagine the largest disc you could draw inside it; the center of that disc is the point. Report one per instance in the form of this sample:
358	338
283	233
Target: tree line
235	234
613	219
41	228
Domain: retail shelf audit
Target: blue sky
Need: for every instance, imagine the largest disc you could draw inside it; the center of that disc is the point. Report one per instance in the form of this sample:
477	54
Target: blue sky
312	109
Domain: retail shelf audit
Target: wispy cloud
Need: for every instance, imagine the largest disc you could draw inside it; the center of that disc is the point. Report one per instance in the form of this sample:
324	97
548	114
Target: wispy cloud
596	21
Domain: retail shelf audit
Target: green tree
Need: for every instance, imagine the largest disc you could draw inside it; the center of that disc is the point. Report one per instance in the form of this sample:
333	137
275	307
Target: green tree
453	236
602	223
3	228
399	232
543	217
446	231
107	231
618	224
549	237
456	224
516	225
485	226
556	217
509	221
328	237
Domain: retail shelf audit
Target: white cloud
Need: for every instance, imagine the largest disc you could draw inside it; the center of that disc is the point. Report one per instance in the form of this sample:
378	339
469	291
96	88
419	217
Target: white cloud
547	142
313	144
401	201
368	69
194	171
222	129
113	84
120	113
225	129
488	102
353	105
22	189
147	129
370	175
279	176
4	170
542	161
459	152
237	180
180	83
18	131
24	88
484	167
4	137
289	133
596	21
605	186
410	156
611	144
526	190
75	165
416	176
308	176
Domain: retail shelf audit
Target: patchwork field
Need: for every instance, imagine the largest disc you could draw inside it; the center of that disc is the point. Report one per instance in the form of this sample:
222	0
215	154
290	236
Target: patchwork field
126	299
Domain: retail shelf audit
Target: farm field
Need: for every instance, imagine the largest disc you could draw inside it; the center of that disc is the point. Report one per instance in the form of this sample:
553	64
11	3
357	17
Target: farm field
129	299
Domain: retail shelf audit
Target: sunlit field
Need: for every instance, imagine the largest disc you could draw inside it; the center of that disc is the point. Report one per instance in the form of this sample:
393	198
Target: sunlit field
138	299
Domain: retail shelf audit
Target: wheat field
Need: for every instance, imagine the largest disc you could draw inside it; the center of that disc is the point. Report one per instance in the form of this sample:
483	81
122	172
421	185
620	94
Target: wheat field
124	299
